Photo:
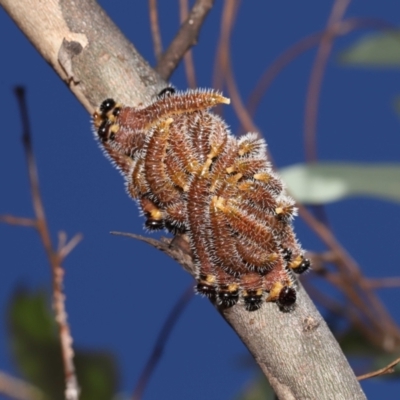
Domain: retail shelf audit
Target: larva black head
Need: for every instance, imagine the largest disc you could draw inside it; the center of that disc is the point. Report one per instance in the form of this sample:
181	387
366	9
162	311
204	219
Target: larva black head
103	130
168	91
206	290
287	298
154	224
107	105
175	227
116	111
303	267
228	298
252	300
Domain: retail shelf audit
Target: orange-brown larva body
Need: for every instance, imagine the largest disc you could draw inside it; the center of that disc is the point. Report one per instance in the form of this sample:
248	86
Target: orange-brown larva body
189	174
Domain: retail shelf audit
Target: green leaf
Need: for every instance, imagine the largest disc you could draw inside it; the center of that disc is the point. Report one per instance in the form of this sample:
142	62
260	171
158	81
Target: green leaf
322	183
374	50
36	348
97	374
258	389
353	343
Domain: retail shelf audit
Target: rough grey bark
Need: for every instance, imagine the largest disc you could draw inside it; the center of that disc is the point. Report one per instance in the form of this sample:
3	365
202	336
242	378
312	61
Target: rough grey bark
296	350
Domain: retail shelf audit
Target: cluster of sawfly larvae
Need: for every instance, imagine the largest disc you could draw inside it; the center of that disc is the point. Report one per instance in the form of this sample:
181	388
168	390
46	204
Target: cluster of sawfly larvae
190	175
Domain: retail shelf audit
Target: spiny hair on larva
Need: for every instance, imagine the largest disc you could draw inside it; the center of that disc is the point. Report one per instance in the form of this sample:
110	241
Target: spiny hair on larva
190	175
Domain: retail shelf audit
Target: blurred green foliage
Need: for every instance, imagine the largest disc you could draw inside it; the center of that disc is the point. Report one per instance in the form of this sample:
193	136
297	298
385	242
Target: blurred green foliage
257	389
325	182
374	50
36	348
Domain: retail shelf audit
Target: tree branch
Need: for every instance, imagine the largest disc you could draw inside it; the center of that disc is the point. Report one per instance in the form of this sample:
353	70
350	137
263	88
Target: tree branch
185	39
296	350
86	49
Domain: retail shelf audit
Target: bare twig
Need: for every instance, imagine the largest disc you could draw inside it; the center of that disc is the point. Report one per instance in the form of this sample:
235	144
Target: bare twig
380	283
314	87
161	342
64	247
18	389
238	105
19	221
72	388
223	70
178	248
185	38
389	369
223	67
188	57
155	29
221	58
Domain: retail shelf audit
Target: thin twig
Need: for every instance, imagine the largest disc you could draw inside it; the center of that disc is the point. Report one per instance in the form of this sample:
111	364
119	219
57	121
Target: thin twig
380	283
389	369
18	389
72	388
185	38
188	57
161	342
242	113
65	248
155	29
223	67
221	62
20	221
314	87
318	261
177	248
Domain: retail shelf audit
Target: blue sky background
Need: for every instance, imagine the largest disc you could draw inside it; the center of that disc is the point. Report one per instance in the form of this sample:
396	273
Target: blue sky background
119	291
